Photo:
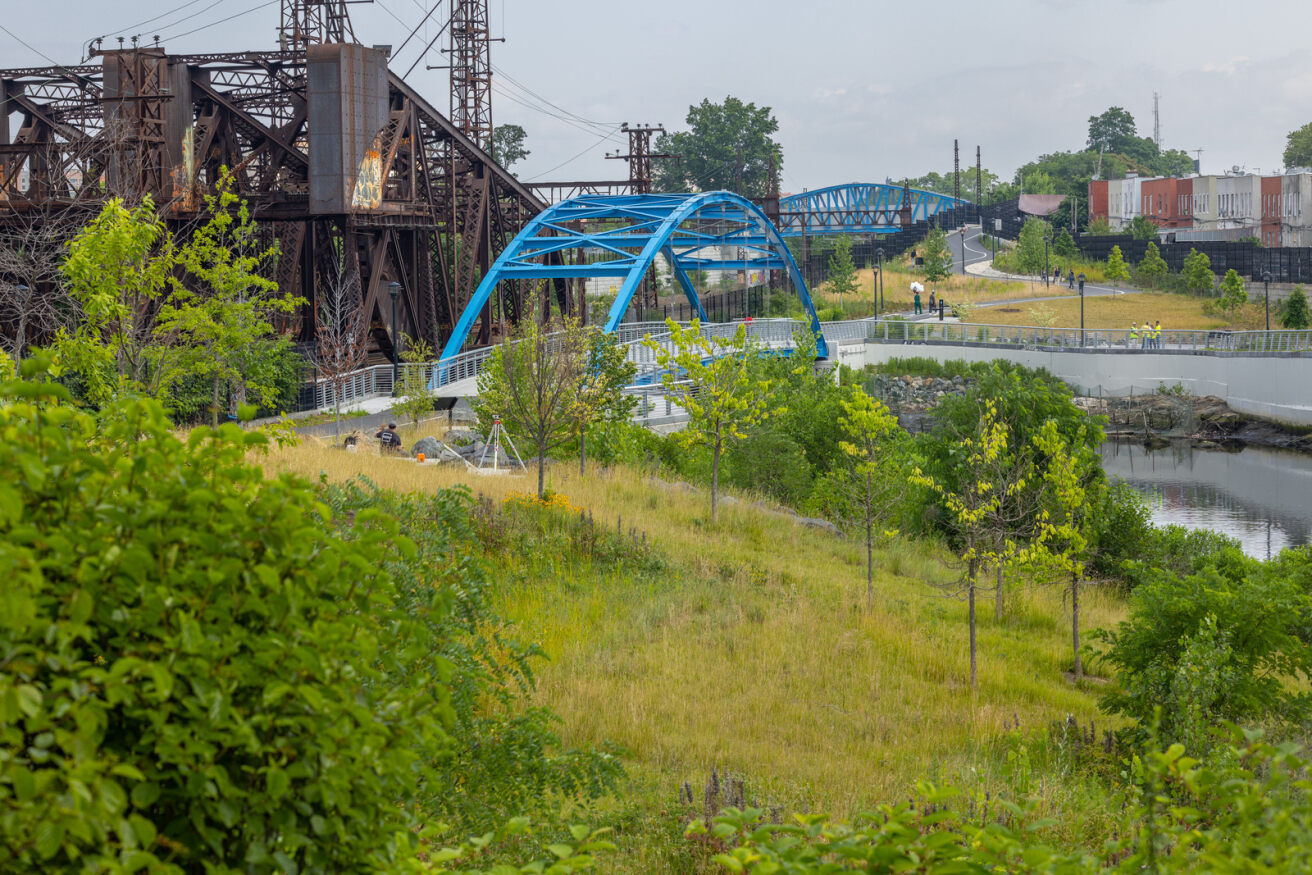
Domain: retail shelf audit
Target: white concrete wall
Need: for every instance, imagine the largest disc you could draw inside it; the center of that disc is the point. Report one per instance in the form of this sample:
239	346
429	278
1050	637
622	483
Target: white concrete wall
1277	388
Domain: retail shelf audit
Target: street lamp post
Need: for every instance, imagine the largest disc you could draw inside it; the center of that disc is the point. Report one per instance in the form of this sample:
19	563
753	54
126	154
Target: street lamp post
1046	271
394	289
1266	281
1081	310
879	295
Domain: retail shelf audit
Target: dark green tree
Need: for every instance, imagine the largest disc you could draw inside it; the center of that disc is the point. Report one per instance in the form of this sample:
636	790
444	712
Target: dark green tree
1064	245
1294	314
508	145
842	271
1143	228
938	257
1197	272
728	146
1298	147
1233	293
1029	246
1153	268
1112	130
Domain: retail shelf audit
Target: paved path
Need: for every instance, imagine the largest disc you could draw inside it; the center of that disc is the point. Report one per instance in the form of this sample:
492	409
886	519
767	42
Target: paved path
979	262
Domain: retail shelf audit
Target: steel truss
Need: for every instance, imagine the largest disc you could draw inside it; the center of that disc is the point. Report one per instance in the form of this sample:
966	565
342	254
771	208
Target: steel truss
143	122
859	208
620	237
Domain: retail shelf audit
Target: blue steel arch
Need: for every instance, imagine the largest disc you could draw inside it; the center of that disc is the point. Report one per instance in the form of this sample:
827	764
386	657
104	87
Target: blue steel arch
629	232
858	208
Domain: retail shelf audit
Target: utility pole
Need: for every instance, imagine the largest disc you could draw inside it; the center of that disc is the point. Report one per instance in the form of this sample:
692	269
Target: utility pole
471	71
314	21
956	170
979	182
640	156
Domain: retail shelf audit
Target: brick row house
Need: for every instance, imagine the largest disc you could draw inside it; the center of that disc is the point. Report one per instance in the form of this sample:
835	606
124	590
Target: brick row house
1275	209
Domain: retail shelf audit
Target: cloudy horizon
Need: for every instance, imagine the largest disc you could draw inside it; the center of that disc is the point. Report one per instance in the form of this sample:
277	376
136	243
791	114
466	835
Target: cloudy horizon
862	91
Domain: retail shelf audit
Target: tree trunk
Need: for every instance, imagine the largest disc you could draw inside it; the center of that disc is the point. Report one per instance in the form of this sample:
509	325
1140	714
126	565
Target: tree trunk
715	476
542	465
583	451
870	553
997	601
337	411
214	405
970	594
1075	624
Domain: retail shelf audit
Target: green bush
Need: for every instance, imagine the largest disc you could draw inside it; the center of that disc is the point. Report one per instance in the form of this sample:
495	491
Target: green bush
1242	812
771	463
197	673
502	752
1210	647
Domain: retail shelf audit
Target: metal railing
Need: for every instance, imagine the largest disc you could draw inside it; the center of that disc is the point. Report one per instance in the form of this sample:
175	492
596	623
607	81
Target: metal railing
776	334
1092	340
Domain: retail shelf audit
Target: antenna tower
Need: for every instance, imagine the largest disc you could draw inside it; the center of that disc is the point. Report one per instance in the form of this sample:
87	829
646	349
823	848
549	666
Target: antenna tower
1157	121
471	71
314	21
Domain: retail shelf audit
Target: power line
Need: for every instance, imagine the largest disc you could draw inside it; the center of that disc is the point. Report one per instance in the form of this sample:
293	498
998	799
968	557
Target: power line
28	45
156	18
174	36
568	160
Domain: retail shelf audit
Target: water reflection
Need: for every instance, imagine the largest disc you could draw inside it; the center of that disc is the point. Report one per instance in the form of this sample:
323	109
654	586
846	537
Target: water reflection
1261	496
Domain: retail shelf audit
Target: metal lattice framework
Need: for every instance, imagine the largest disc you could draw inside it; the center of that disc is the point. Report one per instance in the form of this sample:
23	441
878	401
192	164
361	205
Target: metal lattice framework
349	169
621	236
859	208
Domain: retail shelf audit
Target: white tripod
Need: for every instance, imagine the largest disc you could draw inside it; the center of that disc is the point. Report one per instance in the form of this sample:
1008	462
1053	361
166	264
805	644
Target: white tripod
493	443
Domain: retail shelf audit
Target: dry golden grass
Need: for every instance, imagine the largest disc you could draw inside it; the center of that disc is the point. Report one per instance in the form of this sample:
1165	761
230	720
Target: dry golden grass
756	651
1174	311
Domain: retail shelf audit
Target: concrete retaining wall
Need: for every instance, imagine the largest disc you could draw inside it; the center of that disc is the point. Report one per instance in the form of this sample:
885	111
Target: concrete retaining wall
1275	387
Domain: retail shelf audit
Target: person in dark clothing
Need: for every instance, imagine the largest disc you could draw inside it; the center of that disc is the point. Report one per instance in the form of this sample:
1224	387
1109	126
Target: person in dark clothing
388	440
1070	280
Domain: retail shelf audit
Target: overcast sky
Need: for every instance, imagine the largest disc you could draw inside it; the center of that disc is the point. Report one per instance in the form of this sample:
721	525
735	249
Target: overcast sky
862	89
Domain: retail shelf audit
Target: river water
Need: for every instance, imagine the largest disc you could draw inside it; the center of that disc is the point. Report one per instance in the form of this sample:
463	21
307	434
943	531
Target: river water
1263	497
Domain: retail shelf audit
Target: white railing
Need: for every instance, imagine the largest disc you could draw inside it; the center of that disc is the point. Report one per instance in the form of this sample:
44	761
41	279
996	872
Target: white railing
775	334
1092	340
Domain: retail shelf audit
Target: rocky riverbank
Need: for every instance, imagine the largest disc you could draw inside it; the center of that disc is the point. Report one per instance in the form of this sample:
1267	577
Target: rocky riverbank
1202	420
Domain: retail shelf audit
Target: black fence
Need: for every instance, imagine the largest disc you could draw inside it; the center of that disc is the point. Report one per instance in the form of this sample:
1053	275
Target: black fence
1286	264
725	306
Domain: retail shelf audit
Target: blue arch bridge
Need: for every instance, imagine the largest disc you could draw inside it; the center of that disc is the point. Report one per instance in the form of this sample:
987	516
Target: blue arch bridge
621	237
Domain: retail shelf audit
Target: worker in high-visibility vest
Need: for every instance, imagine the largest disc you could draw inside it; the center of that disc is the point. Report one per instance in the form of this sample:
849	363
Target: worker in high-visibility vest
1134	333
1157	335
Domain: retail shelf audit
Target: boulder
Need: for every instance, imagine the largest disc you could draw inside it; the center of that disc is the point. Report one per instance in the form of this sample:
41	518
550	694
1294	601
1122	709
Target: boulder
460	436
815	523
429	446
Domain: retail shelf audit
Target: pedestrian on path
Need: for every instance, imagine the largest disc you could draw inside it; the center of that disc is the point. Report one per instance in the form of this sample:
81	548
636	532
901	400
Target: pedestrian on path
1070	284
1134	335
918	310
932	305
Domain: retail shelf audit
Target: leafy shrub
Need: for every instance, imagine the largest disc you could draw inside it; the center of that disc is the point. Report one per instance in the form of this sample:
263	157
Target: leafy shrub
770	462
921	366
1177	550
1123	531
503	753
197	674
1209	648
1246	811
